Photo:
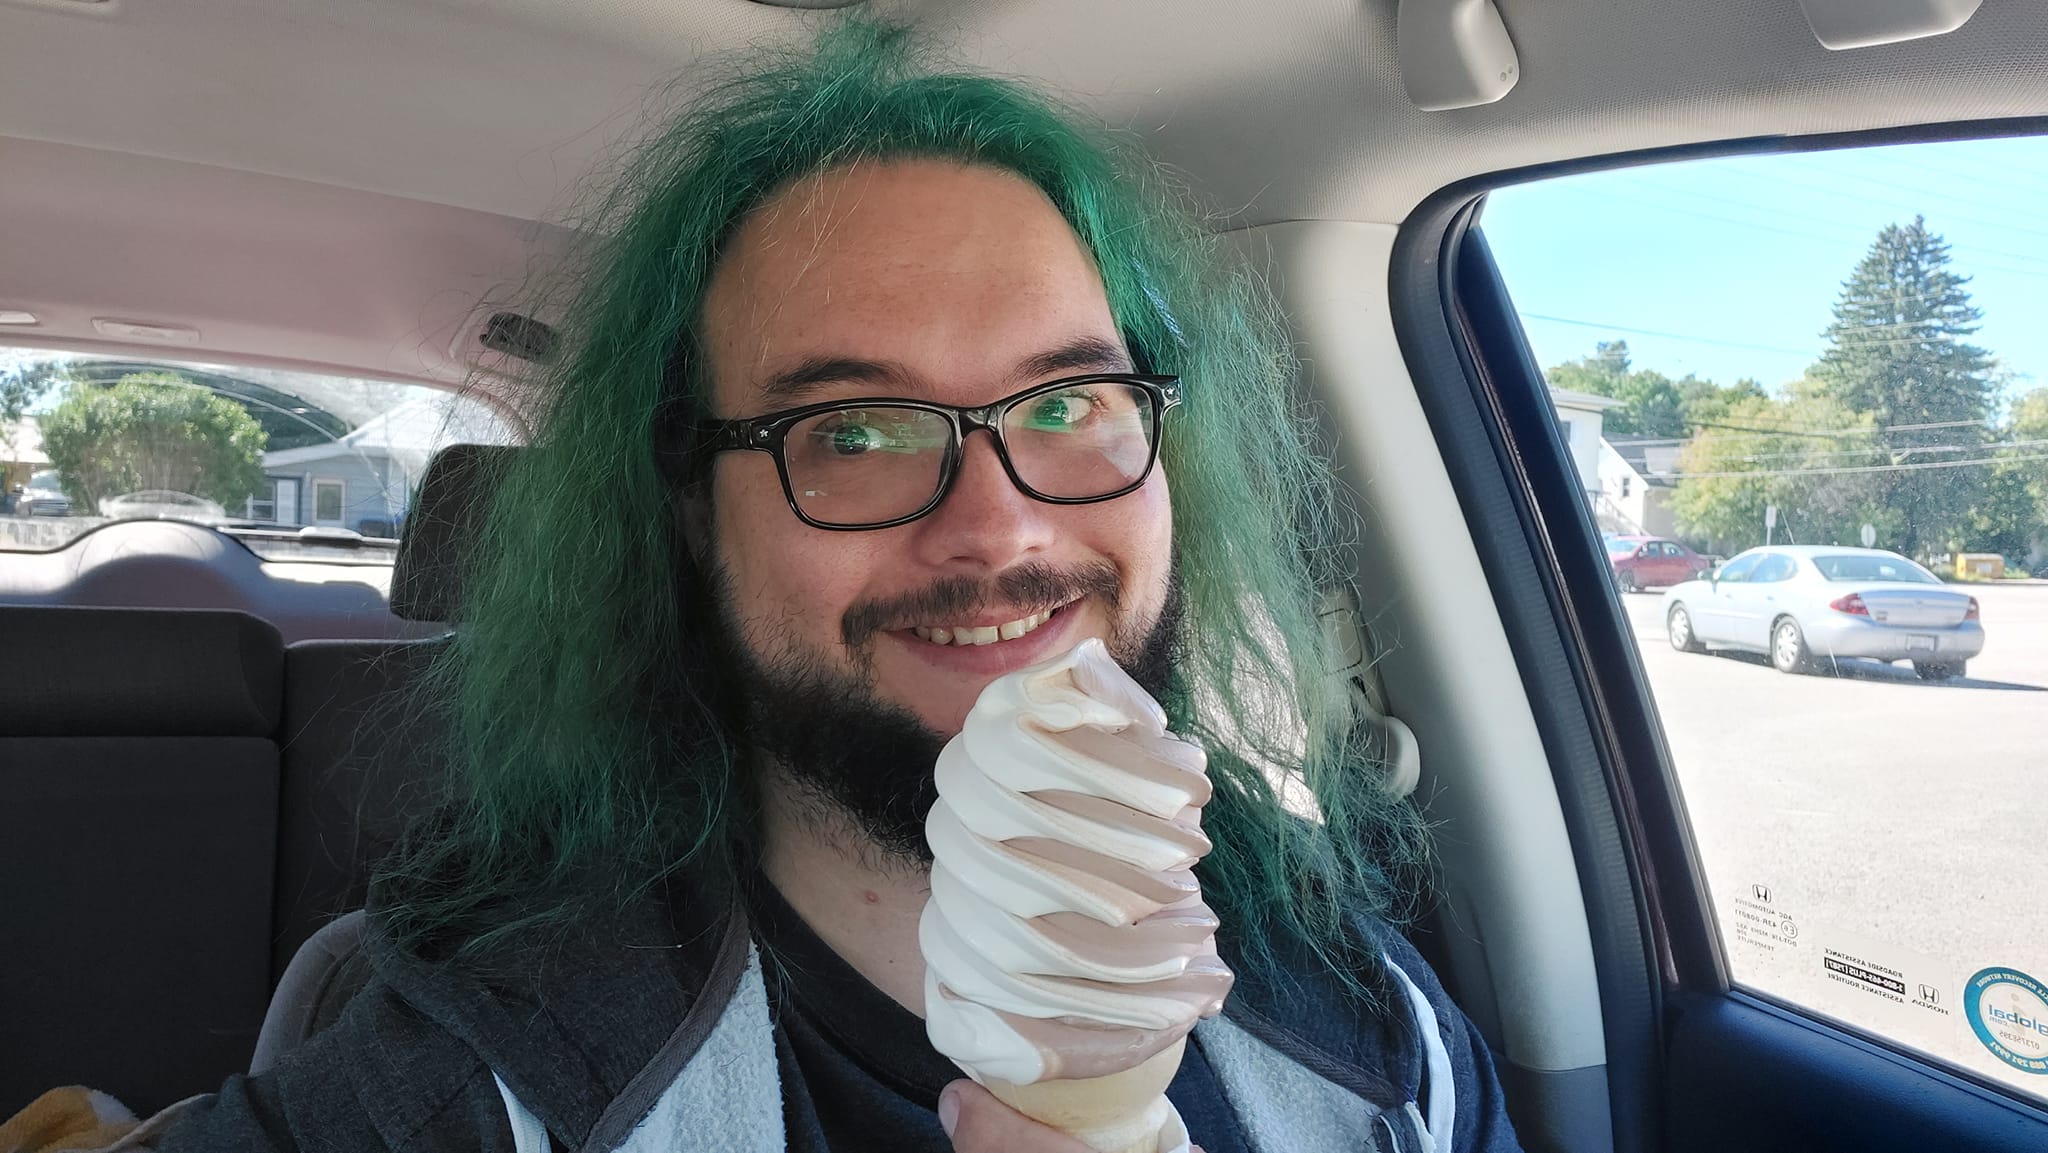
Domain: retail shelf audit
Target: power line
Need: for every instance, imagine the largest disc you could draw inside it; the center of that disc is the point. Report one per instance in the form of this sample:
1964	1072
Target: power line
1869	450
1667	335
1754	432
1841	470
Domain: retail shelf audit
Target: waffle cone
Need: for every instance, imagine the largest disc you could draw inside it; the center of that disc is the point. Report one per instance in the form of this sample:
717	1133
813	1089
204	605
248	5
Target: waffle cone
1120	1113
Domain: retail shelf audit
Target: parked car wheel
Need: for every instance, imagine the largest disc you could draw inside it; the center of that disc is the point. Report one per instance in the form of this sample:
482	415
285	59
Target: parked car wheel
1788	647
1936	671
1627	579
1678	626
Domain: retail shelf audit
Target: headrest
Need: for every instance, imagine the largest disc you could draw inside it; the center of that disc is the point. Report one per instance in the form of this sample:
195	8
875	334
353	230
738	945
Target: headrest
122	672
440	535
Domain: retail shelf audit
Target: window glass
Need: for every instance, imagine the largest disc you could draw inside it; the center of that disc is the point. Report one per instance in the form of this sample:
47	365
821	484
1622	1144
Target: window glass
1738	570
1840	356
1864	567
259	454
1775	567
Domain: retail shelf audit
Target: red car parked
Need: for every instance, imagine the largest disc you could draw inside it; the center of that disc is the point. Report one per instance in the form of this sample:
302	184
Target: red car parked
1642	562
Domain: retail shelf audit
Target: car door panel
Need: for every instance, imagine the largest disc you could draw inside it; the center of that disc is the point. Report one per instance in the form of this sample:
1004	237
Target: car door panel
1717	615
1737	1059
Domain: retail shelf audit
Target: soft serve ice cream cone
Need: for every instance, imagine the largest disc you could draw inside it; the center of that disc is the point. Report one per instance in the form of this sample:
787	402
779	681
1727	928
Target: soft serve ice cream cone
1067	948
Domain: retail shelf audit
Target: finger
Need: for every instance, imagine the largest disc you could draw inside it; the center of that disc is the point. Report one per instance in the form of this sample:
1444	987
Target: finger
978	1123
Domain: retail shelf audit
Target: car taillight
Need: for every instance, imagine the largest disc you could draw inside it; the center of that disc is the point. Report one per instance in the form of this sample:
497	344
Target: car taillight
1851	604
1972	613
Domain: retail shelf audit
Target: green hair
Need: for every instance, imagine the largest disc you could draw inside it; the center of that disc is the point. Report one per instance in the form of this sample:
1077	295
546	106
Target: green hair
589	740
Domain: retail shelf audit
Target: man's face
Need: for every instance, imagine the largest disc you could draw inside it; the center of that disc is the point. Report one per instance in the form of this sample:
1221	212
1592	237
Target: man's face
944	283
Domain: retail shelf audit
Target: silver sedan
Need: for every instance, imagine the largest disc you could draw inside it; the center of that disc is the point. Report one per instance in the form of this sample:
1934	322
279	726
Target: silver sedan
1809	605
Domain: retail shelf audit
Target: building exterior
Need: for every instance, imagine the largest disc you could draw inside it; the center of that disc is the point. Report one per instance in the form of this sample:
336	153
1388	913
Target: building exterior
366	479
1580	416
1637	479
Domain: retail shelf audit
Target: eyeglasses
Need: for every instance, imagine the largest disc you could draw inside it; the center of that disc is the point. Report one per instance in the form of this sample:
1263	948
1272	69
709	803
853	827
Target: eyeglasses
877	462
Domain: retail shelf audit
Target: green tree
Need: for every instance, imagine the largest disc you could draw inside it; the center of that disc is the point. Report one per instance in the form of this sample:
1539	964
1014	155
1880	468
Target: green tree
1897	353
1704	404
1653	405
1808	455
1650	401
2026	438
153	430
20	389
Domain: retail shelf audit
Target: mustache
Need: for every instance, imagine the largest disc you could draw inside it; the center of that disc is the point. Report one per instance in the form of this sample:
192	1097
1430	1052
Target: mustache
1034	586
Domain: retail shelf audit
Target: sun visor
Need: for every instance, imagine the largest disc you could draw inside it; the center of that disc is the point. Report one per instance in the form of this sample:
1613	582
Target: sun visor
1454	53
1840	24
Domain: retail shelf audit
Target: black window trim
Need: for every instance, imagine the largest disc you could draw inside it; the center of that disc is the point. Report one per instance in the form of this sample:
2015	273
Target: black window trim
1630	832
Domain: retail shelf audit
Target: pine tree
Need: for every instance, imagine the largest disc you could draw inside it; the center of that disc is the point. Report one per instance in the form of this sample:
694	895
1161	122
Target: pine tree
1897	352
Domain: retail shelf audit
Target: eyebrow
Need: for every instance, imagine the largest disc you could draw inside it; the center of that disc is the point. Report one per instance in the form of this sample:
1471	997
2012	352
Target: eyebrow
813	374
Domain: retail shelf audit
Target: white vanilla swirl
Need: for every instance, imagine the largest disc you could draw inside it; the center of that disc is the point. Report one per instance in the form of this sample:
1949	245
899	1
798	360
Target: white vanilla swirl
1066	935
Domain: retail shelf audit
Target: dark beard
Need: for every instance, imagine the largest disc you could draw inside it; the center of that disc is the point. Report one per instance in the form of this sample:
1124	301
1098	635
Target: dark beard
867	761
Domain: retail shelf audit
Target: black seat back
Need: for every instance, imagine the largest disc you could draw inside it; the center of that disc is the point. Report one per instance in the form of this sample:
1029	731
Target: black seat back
140	782
359	750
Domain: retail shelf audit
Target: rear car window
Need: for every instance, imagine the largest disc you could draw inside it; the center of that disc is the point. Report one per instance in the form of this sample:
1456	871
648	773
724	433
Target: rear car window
296	466
1873	568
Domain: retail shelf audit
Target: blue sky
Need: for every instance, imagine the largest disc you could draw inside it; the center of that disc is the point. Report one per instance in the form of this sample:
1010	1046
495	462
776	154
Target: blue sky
1729	268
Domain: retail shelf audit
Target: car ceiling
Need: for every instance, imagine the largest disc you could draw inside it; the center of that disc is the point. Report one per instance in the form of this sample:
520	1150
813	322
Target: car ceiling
346	185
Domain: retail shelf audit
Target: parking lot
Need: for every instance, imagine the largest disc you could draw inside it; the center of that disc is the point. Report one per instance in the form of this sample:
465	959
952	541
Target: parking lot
1870	815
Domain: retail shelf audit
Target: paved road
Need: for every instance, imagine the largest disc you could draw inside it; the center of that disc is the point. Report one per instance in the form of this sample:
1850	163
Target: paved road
1894	821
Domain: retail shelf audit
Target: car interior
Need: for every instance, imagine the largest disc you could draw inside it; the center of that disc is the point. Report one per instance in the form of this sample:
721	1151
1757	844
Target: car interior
203	750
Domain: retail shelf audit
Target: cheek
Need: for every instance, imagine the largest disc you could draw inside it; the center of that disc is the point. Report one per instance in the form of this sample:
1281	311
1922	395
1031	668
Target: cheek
790	582
1146	524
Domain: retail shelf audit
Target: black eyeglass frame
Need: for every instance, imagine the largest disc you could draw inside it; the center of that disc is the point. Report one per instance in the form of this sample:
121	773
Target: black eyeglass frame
768	432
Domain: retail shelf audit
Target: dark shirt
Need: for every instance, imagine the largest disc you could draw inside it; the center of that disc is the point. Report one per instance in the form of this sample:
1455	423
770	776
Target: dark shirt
858	1072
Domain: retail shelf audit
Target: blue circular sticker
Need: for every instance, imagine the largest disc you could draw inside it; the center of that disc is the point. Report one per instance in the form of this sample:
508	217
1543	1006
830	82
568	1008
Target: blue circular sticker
2008	1011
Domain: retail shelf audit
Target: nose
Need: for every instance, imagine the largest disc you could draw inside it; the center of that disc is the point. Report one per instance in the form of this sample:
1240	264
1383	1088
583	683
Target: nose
985	523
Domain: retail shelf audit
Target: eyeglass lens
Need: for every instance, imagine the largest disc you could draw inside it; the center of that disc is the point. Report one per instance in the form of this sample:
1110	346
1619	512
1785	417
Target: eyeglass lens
877	463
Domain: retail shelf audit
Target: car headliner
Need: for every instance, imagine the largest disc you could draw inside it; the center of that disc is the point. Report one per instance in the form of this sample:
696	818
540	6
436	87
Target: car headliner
342	184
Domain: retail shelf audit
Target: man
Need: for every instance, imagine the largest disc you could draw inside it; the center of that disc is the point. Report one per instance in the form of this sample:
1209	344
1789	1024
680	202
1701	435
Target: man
783	522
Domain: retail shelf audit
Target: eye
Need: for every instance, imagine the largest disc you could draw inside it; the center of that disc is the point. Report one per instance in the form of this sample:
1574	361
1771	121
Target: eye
851	434
1060	411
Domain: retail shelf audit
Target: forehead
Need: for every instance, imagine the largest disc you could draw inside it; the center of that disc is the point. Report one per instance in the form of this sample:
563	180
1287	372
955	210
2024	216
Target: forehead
951	278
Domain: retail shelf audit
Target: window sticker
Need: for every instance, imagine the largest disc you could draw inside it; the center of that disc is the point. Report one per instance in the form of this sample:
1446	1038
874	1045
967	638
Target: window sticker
2008	1011
1992	1020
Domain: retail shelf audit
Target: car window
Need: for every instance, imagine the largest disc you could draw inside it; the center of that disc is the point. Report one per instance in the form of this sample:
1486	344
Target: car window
1773	568
296	466
1671	549
1738	570
1842	350
1621	547
1864	567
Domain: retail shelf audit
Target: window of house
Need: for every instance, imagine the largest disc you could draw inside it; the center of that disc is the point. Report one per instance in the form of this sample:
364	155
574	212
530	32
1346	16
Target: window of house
1854	340
327	497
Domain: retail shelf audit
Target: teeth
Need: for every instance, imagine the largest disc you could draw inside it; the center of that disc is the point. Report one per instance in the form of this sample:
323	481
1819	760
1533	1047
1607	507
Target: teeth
982	634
